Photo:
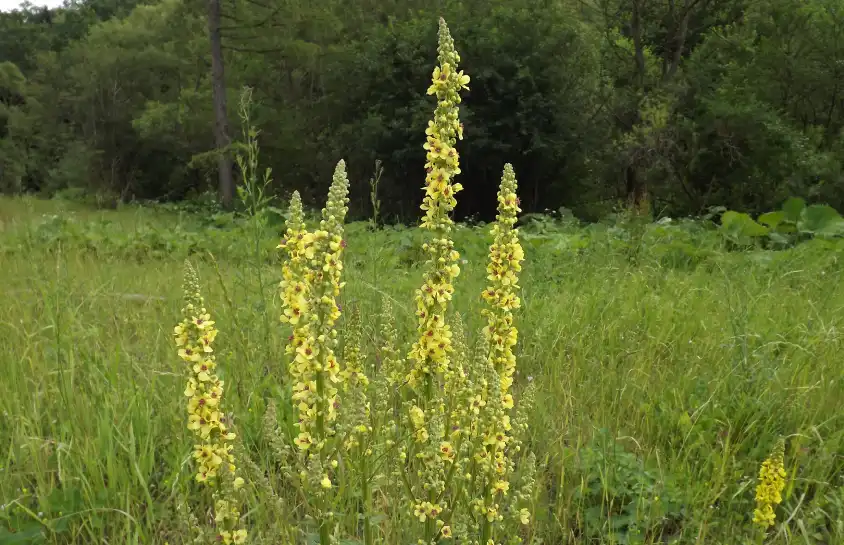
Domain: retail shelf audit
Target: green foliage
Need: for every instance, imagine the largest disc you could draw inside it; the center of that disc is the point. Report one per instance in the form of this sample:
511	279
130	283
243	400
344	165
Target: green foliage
793	223
622	500
117	100
691	364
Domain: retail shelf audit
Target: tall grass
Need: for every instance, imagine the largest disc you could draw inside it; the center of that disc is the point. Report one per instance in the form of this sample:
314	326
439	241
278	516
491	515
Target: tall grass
660	388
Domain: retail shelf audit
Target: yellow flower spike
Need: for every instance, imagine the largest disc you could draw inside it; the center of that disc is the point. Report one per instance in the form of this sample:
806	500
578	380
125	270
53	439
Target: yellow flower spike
194	337
433	373
771	484
500	337
505	259
311	283
430	353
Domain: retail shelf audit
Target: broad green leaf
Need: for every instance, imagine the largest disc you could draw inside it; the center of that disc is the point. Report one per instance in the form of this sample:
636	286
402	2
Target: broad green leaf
740	227
772	219
792	208
779	239
822	220
31	534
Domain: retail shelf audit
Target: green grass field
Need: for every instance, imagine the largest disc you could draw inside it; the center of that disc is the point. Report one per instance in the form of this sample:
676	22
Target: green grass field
667	368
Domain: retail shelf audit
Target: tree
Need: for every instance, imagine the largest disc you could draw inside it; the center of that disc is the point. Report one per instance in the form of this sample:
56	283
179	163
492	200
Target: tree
218	91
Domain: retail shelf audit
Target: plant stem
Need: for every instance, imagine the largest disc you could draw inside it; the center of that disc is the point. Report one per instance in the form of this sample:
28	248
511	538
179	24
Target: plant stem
367	500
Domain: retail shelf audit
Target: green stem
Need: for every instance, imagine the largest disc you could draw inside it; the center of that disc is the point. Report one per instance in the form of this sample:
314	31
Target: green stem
324	533
429	389
367	500
486	524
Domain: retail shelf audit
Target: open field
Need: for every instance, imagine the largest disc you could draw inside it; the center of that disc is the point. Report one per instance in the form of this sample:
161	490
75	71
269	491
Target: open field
667	368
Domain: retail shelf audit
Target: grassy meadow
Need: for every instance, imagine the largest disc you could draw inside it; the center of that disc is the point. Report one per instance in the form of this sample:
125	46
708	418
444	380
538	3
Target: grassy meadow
667	366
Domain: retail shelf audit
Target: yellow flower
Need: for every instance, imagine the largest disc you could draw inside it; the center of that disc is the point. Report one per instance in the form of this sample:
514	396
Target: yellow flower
446	451
771	484
501	487
203	321
446	531
190	389
325	482
524	516
190	353
463	80
421	512
303	440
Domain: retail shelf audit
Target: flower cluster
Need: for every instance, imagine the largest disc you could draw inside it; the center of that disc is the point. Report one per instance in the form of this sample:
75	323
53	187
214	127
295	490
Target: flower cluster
315	368
430	353
298	244
194	337
500	335
505	263
770	487
430	455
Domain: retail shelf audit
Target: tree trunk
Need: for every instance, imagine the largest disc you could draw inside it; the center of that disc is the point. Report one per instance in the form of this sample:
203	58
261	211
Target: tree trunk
636	188
218	93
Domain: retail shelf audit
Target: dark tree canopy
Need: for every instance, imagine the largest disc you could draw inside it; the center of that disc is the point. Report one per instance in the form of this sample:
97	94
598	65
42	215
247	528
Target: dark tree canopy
676	105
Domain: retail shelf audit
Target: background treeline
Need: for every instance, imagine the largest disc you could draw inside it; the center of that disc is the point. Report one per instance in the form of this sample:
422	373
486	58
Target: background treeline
680	104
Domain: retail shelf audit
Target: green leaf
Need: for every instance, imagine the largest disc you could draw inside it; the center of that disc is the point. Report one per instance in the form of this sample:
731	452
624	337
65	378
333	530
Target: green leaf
31	534
772	219
740	228
822	220
779	239
793	208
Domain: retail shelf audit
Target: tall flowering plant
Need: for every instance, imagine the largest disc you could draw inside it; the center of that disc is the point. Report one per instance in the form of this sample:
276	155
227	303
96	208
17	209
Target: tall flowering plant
769	489
311	283
206	418
493	454
430	453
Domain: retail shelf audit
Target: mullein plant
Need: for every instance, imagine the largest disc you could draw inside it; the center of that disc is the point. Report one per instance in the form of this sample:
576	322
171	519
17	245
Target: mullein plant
445	410
206	417
428	454
488	435
769	490
312	280
494	455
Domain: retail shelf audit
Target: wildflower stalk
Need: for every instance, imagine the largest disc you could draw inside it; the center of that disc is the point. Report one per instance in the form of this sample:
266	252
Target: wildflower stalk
310	286
359	431
769	490
207	419
505	263
505	258
430	354
253	192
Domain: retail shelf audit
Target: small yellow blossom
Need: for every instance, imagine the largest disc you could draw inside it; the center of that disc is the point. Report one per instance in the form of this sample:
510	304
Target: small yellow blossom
524	516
